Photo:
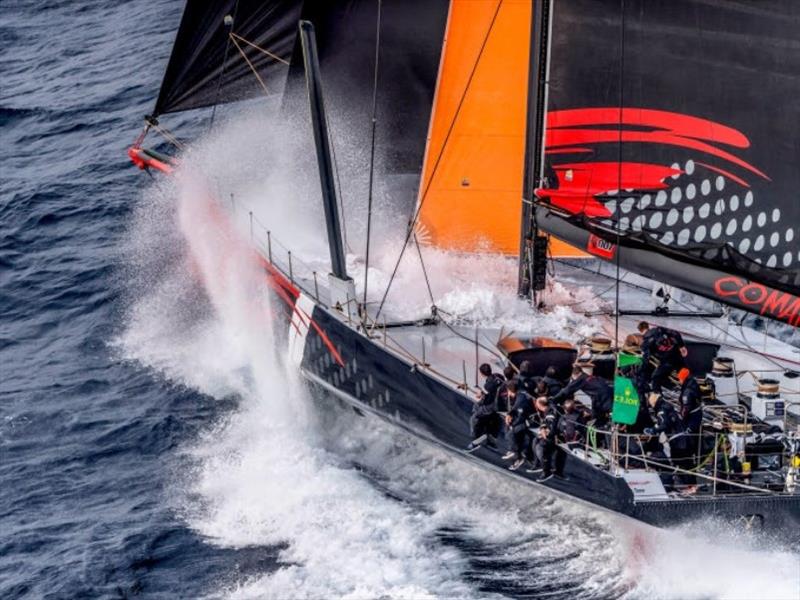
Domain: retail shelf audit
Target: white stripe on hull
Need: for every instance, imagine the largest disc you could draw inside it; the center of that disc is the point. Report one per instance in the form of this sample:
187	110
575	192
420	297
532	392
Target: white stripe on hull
298	330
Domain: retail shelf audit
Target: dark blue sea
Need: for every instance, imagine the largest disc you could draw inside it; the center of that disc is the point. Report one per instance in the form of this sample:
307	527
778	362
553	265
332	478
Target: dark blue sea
146	447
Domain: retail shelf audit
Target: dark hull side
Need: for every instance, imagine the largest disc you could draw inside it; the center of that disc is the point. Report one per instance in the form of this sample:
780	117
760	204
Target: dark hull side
373	379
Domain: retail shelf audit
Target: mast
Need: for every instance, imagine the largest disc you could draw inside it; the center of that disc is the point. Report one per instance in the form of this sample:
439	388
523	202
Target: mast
322	142
342	286
533	246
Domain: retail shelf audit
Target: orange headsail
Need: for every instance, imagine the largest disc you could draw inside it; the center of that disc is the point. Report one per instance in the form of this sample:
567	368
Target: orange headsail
471	190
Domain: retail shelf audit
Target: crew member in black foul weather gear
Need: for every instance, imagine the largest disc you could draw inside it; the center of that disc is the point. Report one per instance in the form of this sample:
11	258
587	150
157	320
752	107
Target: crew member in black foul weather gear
544	421
598	389
503	404
554	385
517	421
526	380
691	402
665	345
668	421
571	423
486	422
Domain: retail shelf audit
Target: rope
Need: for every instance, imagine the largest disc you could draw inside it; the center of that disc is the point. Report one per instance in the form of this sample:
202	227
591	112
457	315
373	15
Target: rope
232	37
412	223
236	36
372	149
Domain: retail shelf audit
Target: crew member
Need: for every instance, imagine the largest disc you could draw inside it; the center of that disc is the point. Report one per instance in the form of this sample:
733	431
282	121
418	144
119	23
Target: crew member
571	423
485	421
598	389
526	379
517	422
544	420
554	385
691	402
503	405
668	422
668	347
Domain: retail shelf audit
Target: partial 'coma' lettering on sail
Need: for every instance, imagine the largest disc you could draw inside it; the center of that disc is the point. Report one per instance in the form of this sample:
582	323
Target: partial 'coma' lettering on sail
782	306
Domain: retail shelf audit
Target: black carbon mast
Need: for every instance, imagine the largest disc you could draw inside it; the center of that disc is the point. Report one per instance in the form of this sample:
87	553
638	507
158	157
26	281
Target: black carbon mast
533	244
342	287
322	142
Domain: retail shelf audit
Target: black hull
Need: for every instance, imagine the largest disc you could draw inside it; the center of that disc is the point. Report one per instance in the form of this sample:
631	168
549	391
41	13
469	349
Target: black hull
374	379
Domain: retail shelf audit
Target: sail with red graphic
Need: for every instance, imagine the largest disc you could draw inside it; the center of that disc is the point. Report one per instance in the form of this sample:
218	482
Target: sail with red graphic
672	144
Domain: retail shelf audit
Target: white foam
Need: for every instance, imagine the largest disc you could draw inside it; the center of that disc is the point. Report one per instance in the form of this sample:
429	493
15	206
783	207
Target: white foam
261	478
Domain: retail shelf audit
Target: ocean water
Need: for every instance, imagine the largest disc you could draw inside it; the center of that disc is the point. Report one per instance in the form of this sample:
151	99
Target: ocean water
152	444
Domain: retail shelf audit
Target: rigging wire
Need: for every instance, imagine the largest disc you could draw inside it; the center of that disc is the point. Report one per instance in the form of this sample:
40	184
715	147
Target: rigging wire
339	198
412	223
619	164
224	66
372	150
424	272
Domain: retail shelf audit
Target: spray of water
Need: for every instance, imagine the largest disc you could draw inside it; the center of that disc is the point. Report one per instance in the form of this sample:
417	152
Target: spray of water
362	511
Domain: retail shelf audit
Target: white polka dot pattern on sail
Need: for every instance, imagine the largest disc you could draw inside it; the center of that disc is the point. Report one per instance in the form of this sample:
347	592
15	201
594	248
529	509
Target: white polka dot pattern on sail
747	224
759	243
787	259
672	217
705	187
683	237
656	219
700	233
744	245
731	228
627	204
688	214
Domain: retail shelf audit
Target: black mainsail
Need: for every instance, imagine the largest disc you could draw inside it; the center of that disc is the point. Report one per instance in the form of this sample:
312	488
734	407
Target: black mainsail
221	44
673	139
